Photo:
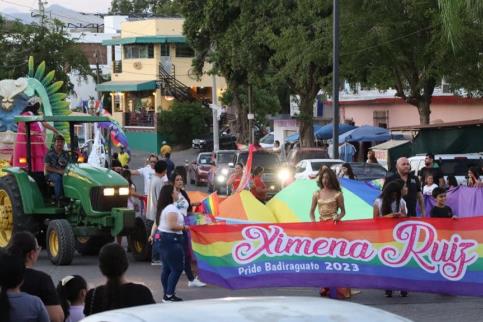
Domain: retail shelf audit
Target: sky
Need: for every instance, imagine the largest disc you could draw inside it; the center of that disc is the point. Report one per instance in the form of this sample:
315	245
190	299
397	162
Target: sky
97	6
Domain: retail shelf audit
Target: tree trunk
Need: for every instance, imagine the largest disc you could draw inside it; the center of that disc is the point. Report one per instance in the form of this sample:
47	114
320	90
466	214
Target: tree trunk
306	118
424	110
242	120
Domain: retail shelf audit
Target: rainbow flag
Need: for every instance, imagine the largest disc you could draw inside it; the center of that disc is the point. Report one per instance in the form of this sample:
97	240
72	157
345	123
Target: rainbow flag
247	170
210	205
422	255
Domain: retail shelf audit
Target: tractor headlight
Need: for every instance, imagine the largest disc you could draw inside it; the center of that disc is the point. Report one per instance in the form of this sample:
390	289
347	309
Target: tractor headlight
124	191
108	192
283	175
224	171
220	178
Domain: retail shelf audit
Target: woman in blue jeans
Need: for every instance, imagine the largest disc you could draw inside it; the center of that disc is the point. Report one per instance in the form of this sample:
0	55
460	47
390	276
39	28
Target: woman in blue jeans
169	227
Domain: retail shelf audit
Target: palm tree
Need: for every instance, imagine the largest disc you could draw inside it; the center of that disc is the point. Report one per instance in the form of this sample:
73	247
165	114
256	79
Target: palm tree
454	12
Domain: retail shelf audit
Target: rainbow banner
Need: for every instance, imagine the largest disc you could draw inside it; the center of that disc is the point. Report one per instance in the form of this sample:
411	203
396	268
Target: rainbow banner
422	255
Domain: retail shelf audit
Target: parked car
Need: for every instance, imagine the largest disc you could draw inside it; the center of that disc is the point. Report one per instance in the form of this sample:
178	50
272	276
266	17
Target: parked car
307	169
227	142
364	171
450	164
267	141
225	164
245	309
198	169
297	154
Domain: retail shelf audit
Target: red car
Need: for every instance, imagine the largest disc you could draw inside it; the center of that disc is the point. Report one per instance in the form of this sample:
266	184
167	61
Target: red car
198	169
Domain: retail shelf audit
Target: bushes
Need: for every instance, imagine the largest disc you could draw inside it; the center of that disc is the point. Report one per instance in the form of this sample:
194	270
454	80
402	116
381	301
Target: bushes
184	121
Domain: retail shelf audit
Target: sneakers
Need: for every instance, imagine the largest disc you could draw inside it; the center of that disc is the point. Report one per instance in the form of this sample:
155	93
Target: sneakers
155	263
172	298
196	283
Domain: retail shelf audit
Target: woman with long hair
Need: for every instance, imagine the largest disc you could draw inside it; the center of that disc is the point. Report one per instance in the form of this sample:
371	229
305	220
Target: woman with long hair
72	292
38	148
117	292
185	206
169	225
474	177
391	204
346	171
14	304
330	203
234	180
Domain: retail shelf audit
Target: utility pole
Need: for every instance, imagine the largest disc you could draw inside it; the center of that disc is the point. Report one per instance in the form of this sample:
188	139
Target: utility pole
335	79
250	115
214	111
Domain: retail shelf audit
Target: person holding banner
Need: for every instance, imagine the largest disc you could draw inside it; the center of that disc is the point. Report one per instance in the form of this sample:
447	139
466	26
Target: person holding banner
329	201
391	204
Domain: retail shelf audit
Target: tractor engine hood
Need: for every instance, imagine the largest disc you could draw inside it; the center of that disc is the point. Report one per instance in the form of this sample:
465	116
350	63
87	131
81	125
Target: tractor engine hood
93	176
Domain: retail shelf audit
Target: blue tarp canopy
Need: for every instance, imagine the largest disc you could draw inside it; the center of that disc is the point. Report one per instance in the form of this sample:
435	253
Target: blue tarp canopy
366	133
322	132
325	132
295	137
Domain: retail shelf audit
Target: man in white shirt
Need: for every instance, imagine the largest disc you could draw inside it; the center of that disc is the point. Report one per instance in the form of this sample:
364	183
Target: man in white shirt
157	182
147	172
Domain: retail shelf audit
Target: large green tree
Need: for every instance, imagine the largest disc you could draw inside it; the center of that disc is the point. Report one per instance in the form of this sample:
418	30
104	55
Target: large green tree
403	45
144	7
300	38
222	34
49	43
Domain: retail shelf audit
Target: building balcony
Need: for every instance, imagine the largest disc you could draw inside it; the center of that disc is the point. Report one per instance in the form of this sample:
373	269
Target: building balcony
140	119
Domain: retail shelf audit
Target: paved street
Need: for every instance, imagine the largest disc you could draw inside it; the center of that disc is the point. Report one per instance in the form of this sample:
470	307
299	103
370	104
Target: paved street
418	306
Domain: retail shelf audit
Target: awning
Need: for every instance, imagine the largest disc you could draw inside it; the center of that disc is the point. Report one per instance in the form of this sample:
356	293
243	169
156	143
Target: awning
126	86
145	40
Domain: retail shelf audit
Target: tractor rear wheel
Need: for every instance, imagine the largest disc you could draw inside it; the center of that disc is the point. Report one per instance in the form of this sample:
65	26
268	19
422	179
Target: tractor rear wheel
138	240
91	245
12	217
60	242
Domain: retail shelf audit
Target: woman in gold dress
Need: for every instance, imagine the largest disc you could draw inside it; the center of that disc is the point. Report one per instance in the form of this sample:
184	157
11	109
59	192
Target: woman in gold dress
330	202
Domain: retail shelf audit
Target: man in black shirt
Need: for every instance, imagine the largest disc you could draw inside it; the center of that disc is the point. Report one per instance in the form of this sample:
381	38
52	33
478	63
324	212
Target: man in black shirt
55	162
36	282
412	184
431	169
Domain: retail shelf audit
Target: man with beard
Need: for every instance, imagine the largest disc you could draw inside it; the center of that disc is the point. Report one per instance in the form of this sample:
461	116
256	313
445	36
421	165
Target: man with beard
431	169
411	184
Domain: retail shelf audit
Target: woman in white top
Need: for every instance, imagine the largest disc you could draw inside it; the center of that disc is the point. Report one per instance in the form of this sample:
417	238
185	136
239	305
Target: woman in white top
170	226
184	206
390	203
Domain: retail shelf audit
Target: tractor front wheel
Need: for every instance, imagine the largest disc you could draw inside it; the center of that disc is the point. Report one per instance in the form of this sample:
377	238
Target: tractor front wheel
60	242
12	217
138	240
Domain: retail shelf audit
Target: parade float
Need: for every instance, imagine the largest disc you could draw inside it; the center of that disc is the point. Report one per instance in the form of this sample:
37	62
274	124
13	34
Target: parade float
94	206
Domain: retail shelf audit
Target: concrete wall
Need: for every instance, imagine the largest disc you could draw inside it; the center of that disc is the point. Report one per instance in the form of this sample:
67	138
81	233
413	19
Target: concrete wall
405	114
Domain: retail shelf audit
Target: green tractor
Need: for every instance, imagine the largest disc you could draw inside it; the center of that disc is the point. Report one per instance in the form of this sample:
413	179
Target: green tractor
94	210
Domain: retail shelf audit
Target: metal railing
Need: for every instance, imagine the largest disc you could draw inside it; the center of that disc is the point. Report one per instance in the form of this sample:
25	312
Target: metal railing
171	86
143	118
117	66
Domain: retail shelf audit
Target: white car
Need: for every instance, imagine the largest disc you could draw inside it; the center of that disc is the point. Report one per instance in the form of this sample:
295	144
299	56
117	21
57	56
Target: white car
307	169
266	142
248	309
450	164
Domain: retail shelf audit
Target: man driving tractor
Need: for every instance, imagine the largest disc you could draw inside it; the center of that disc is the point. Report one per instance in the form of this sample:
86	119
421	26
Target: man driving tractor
55	162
